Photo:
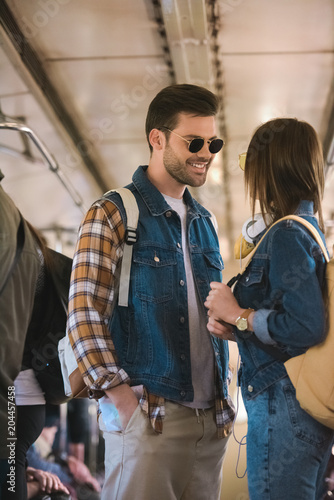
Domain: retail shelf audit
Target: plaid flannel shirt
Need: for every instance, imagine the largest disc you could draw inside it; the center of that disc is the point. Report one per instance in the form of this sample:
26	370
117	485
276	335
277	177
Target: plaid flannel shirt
98	252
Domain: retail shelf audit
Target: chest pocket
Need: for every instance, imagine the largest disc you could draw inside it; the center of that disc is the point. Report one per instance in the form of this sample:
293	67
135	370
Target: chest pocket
154	268
213	259
214	266
253	276
250	289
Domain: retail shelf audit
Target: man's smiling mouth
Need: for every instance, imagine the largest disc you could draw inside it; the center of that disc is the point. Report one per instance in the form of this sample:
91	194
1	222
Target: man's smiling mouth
198	165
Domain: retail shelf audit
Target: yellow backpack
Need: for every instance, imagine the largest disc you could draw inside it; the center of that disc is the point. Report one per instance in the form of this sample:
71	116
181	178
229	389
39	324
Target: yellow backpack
312	373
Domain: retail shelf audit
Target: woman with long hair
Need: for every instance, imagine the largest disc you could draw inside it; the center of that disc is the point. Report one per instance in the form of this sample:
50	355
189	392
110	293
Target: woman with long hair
278	302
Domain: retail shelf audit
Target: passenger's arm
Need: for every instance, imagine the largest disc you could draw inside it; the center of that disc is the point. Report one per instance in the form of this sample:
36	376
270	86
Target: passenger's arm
98	252
297	318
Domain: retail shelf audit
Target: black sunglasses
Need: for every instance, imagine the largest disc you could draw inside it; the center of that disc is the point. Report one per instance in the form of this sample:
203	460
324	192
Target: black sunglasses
195	145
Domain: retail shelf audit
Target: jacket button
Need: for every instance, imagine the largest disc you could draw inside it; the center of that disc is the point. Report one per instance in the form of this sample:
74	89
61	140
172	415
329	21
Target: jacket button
182	319
183	357
169	213
178	245
182	394
181	282
247	279
250	388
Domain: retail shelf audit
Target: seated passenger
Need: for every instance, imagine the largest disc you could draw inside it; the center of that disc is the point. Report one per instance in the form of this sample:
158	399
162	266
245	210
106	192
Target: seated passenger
70	470
40	482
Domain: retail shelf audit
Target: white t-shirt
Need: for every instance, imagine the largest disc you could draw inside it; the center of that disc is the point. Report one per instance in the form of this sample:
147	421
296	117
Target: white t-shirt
28	392
201	350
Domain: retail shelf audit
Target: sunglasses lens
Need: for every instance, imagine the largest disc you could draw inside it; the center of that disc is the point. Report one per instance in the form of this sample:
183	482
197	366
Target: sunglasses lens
216	145
196	145
242	160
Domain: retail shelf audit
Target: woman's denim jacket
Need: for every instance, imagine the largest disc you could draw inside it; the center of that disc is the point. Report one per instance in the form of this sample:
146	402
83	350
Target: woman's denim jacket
151	335
283	283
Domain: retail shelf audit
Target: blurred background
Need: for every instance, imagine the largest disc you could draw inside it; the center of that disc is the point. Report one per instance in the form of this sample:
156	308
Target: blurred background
77	77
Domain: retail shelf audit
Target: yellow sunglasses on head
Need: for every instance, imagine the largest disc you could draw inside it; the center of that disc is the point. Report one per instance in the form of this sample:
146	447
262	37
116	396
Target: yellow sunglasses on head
242	160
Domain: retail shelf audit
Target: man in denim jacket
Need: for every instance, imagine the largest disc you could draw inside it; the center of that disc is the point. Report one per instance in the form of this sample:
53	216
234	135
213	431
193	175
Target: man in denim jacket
166	415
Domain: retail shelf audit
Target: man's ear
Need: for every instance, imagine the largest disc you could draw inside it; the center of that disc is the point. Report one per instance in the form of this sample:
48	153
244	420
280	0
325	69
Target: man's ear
157	139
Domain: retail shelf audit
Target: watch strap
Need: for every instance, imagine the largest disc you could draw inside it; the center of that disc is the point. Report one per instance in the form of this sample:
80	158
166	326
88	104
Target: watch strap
245	313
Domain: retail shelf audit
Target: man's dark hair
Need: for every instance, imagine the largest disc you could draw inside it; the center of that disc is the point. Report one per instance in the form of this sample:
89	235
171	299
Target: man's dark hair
165	108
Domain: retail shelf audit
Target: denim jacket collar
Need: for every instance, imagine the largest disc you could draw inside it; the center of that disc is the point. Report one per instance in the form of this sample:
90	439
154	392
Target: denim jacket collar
155	201
306	208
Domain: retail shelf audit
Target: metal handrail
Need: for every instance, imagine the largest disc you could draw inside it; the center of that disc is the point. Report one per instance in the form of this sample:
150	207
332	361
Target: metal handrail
50	160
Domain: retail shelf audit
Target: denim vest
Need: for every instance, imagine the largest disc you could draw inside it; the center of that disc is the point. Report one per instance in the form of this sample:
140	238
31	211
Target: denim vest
151	335
283	283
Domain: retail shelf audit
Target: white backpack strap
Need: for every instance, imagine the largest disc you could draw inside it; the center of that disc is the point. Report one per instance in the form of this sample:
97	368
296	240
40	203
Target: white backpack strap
132	215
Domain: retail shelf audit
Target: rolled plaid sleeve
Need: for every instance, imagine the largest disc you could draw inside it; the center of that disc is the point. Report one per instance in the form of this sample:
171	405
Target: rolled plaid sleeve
92	290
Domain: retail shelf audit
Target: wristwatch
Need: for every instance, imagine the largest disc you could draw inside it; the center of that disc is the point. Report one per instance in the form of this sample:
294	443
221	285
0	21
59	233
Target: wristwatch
242	321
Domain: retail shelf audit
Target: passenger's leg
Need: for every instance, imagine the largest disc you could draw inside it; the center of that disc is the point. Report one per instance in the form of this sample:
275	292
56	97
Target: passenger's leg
286	448
30	422
184	460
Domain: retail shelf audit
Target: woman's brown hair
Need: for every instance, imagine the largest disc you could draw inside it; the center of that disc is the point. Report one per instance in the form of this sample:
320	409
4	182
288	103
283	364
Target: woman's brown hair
284	165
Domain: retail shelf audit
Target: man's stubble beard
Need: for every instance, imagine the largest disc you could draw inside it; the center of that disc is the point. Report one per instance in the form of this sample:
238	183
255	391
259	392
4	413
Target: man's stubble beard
178	170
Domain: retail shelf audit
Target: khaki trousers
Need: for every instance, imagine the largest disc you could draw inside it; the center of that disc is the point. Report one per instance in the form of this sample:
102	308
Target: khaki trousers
182	463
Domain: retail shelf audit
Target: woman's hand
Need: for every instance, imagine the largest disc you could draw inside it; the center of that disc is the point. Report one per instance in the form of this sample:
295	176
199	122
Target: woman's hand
220	329
222	304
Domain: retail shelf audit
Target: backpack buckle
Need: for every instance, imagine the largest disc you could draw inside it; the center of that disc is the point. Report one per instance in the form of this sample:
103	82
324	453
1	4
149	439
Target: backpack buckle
130	236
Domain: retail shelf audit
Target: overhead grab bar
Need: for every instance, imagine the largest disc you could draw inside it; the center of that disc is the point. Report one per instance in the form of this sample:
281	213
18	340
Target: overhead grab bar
53	165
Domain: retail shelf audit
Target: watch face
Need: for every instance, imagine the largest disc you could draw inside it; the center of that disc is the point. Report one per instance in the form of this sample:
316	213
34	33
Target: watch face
242	324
